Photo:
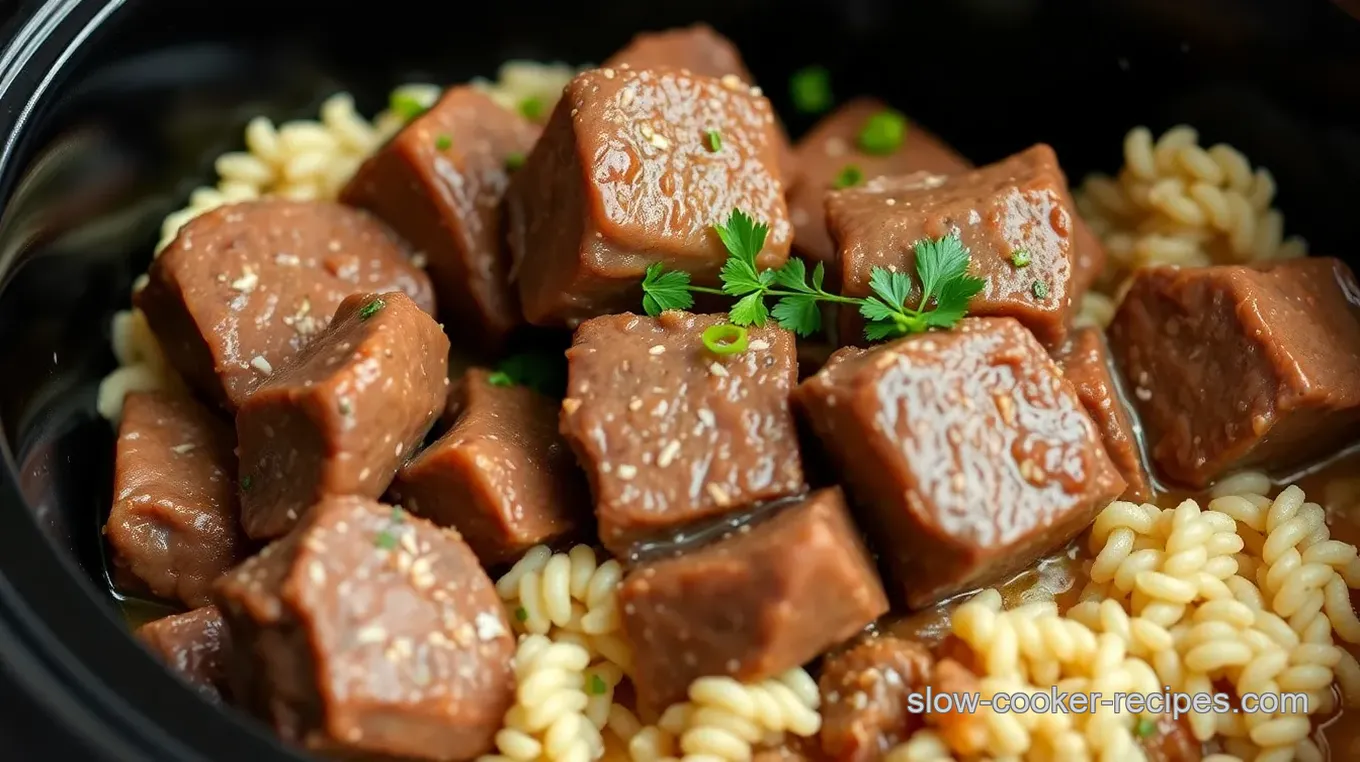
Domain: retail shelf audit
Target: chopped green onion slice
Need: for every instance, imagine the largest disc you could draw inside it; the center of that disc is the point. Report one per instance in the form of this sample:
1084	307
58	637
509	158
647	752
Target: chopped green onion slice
1145	728
246	481
597	685
443	142
521	614
810	89
883	132
1020	258
514	161
849	177
406	105
369	310
385	540
1040	289
500	378
531	108
714	140
725	339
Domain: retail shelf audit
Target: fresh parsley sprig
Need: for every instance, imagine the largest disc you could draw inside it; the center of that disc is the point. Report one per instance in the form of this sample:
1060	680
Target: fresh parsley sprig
941	266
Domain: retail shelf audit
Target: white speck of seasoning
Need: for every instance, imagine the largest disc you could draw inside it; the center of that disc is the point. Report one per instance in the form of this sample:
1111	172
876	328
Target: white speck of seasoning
371	634
364	474
717	369
262	365
668	453
707	418
635	403
316	572
290	260
758	344
731	81
657	349
659	141
488	626
570	405
248	280
718	494
627	472
183	448
419	260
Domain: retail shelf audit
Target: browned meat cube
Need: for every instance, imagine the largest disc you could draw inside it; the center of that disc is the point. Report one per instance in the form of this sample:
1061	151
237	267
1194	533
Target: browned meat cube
344	414
194	646
1085	361
175	523
1235	367
699	49
368	633
752	604
626	175
669	433
968	452
503	476
864	697
439	184
243	288
1018	207
1171	740
829	157
1088	258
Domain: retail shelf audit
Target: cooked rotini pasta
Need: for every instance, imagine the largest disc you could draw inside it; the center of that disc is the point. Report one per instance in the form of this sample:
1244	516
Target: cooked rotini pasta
1174	202
549	719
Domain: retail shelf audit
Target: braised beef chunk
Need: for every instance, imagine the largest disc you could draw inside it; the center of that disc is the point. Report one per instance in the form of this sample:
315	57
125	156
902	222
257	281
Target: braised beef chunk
243	288
967	451
502	475
864	697
174	525
439	183
637	167
1014	216
344	414
830	157
1088	258
194	646
699	49
1085	362
369	632
1236	367
670	433
753	604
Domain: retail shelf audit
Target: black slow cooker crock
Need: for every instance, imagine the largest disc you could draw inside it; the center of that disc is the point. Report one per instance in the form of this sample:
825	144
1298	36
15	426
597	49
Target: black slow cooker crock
112	110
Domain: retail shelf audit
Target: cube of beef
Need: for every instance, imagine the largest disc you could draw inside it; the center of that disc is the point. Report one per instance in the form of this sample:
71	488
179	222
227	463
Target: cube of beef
830	158
967	451
1238	367
670	433
243	288
637	167
194	647
175	522
865	690
439	184
1014	216
699	49
1085	362
368	633
753	604
1088	259
502	475
344	414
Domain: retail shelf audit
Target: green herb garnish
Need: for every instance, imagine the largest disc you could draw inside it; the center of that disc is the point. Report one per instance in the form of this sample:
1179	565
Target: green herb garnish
713	139
1020	258
398	514
725	339
544	372
941	267
1040	289
406	105
443	142
385	540
345	407
810	89
521	614
369	310
849	177
597	685
531	108
1145	728
514	161
883	132
246	482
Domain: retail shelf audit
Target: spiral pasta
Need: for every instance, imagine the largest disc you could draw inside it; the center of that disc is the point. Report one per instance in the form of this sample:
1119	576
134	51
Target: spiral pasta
1176	203
548	720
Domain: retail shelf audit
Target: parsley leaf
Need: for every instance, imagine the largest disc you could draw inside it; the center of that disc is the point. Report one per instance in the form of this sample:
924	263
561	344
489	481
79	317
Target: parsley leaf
849	177
883	132
941	269
810	89
664	289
